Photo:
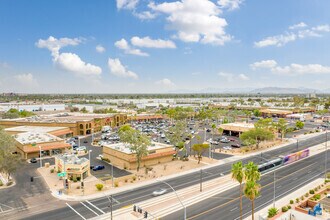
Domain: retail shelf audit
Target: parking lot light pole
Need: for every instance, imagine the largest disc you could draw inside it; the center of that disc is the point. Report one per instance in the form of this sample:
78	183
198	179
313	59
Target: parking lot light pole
89	155
40	156
184	207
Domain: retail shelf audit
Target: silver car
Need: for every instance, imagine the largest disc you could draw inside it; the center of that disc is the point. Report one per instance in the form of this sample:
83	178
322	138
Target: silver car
159	192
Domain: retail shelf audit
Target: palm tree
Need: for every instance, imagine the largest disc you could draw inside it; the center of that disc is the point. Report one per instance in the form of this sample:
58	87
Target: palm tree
251	191
251	172
237	173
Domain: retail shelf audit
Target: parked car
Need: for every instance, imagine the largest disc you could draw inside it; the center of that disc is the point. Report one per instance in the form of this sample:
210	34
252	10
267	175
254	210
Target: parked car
237	145
159	192
208	130
224	140
98	167
227	148
231	139
33	160
85	141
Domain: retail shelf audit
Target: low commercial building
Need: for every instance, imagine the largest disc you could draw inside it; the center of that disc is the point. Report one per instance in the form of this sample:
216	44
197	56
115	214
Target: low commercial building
275	113
236	128
145	117
30	144
78	123
120	155
73	166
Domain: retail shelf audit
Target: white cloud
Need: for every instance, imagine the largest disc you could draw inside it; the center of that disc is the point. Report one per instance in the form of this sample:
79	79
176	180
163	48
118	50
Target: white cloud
71	62
54	45
4	65
302	32
117	69
68	61
165	83
227	76
127	4
100	49
230	4
150	43
264	64
292	69
243	77
145	15
27	80
123	45
194	20
278	40
297	26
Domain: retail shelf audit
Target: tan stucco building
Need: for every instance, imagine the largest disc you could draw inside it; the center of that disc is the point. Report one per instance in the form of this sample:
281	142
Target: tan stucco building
78	123
73	166
236	128
121	156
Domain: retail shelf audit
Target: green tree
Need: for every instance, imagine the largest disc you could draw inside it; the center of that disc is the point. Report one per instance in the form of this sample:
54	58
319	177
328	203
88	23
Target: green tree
138	142
251	191
256	136
9	162
200	149
237	173
176	134
282	127
300	124
256	112
251	172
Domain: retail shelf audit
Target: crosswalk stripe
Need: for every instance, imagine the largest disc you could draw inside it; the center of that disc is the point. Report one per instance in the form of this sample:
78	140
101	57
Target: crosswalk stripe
75	211
95	207
89	208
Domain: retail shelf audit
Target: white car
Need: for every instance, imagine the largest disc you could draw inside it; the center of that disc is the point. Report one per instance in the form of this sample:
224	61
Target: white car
192	132
162	135
227	148
159	192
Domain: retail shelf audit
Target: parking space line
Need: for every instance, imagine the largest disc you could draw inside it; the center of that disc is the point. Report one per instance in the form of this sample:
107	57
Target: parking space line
116	201
75	211
95	207
1	208
89	208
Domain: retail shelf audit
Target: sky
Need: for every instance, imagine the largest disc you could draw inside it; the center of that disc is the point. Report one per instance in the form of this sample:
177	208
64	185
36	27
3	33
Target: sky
156	46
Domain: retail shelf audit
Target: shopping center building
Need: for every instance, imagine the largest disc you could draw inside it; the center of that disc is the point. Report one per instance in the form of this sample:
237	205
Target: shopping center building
30	141
120	155
78	123
236	129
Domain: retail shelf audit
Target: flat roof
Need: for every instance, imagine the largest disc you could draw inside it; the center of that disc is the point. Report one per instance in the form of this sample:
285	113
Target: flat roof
237	126
71	159
122	147
36	129
275	111
35	137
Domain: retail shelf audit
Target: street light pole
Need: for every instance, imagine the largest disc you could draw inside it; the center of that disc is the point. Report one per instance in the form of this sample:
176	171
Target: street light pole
89	155
112	175
184	207
110	200
40	156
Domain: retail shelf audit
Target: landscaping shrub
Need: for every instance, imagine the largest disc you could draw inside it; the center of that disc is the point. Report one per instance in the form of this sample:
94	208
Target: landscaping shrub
272	212
126	180
9	183
1	184
52	170
297	199
78	178
99	186
311	191
116	184
291	201
306	194
133	178
317	196
289	206
284	209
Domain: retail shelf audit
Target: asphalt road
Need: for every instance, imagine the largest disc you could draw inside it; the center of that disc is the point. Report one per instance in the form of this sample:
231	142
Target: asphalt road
226	205
143	193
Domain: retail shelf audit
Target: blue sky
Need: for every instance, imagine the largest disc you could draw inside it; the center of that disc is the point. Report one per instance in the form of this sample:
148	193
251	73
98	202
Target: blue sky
147	46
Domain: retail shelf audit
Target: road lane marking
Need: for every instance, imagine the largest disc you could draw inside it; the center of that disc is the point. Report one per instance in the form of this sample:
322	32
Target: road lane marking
224	204
75	211
95	207
89	208
234	209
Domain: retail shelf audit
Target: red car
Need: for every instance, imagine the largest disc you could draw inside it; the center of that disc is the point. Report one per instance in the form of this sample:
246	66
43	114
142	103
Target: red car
231	139
237	145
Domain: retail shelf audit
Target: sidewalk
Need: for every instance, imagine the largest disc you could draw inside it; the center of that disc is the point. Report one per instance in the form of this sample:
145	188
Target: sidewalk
147	182
286	200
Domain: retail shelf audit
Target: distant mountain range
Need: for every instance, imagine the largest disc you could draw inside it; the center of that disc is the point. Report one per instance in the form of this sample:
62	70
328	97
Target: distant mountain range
264	90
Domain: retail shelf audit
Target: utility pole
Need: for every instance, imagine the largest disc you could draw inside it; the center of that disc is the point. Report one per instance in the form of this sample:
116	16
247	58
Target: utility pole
297	144
201	181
